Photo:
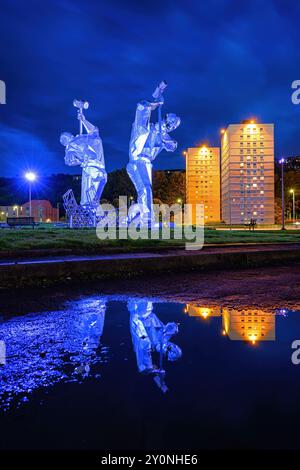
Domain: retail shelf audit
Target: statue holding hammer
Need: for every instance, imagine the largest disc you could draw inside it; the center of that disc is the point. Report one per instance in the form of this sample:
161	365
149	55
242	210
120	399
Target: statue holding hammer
146	142
86	150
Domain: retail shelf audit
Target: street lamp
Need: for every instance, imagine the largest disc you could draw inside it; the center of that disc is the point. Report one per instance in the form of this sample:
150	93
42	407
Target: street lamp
281	161
292	191
30	176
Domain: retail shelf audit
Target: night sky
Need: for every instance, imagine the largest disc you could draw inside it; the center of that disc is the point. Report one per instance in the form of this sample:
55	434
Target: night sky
224	61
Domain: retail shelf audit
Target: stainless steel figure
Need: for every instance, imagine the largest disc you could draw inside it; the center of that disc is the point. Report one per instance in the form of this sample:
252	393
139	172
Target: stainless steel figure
149	336
86	150
146	142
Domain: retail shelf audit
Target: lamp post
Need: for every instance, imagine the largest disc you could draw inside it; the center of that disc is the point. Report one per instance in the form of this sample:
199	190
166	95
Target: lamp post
292	191
30	176
281	161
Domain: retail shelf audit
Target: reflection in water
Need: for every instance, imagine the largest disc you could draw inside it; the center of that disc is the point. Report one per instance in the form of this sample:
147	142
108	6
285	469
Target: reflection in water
65	346
204	312
46	348
247	324
149	336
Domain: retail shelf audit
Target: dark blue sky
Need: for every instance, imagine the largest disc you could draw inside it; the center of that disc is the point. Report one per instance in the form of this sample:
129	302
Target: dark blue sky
224	60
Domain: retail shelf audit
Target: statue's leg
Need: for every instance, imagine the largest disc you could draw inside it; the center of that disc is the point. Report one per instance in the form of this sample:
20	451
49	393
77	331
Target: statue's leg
145	173
99	183
134	175
85	185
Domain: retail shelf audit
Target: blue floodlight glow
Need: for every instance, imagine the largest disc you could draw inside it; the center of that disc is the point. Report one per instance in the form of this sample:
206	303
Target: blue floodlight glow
30	176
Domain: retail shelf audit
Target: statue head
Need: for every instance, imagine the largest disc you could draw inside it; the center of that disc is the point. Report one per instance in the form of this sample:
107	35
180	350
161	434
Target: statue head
66	138
171	122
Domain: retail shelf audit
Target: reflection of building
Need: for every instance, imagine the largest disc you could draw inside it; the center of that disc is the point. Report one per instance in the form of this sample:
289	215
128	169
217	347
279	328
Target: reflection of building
41	210
248	173
203	312
249	324
203	180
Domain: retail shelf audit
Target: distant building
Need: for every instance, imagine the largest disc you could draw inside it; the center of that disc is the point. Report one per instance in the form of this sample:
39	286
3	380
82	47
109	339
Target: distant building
9	211
247	173
41	210
292	163
203	181
76	177
176	170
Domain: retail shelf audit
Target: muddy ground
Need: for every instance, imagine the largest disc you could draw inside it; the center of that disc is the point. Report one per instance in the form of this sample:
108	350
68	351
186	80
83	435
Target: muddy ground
271	287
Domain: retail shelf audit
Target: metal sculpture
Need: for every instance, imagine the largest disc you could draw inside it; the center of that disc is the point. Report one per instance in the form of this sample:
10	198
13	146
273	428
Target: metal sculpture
86	150
149	336
146	142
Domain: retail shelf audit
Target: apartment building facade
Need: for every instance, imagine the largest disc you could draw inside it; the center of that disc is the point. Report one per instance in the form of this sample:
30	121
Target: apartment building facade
203	181
247	173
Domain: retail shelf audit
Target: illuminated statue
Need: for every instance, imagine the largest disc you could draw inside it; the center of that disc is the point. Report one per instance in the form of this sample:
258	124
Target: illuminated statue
86	150
89	325
150	336
146	142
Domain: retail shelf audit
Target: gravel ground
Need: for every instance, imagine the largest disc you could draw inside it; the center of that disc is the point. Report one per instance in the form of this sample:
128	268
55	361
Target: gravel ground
271	287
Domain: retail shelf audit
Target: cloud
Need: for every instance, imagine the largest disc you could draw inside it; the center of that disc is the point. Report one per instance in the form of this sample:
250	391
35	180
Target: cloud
223	60
21	151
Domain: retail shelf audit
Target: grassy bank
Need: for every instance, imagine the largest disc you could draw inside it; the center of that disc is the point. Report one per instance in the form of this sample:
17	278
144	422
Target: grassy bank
85	240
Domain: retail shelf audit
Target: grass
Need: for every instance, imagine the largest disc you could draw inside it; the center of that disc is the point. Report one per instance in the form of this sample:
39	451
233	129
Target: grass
85	240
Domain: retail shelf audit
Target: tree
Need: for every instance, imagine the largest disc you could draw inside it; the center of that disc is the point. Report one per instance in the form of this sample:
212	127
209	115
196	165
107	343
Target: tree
169	186
118	184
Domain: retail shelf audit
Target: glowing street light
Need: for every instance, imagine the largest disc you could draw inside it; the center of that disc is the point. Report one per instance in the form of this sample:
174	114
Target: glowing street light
30	176
292	191
281	161
16	209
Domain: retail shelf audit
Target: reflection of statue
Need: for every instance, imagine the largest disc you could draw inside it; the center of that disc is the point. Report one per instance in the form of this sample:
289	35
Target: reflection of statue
86	150
147	141
60	346
90	328
150	335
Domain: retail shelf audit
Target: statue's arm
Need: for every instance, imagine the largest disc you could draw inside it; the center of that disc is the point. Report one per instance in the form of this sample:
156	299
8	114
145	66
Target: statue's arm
143	113
72	158
74	155
89	127
169	144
